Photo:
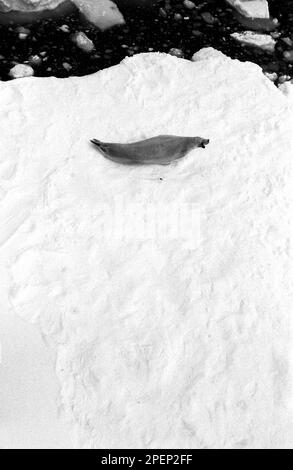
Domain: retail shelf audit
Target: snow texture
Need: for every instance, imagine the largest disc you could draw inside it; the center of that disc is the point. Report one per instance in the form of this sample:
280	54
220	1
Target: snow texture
251	8
29	391
159	342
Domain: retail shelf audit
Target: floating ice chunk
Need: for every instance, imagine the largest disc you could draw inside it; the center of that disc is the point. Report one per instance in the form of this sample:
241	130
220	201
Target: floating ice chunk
251	8
83	42
284	79
35	60
288	56
271	76
65	28
264	41
208	17
28	5
22	32
67	66
188	4
102	13
21	70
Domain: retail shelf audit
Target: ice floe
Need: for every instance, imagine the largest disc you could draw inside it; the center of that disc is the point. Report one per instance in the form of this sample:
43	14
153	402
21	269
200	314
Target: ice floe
165	292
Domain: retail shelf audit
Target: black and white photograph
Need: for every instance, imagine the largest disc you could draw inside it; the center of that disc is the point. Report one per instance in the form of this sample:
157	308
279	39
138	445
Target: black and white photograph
146	204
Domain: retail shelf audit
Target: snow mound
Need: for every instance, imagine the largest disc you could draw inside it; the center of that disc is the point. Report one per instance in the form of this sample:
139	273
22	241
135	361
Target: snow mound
209	53
163	340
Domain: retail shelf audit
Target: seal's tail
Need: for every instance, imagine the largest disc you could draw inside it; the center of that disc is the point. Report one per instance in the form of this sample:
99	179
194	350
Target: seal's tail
96	142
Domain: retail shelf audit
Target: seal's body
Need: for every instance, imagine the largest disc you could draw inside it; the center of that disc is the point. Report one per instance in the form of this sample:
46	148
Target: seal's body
160	150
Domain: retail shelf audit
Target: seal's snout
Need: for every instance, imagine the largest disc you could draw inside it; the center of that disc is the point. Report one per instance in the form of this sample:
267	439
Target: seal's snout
204	142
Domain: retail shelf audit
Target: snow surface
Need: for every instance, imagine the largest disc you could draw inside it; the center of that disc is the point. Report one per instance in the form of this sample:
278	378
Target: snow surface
29	391
251	8
160	342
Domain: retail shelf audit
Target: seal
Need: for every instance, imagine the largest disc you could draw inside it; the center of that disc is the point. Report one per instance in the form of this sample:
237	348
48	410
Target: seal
159	150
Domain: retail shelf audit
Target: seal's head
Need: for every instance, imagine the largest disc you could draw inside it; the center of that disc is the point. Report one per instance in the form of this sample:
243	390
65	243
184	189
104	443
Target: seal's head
199	142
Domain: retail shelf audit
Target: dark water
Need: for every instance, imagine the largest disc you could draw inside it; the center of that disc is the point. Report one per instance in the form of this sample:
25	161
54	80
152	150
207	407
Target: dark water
150	26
